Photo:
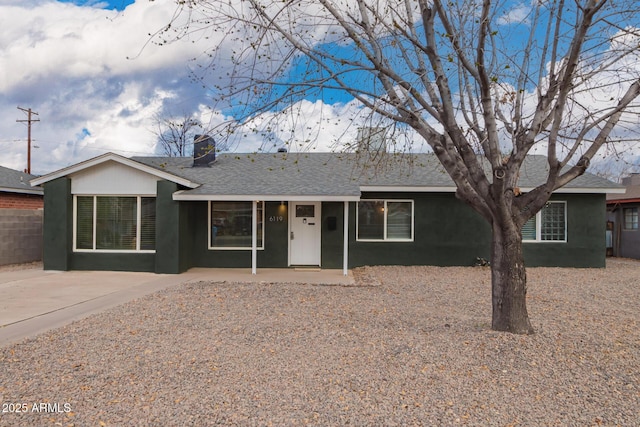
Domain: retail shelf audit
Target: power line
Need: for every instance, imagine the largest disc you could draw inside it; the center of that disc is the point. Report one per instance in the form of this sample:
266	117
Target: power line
28	121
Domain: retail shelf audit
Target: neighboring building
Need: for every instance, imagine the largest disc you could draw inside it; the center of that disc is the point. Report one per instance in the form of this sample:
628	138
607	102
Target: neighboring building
278	210
623	236
20	218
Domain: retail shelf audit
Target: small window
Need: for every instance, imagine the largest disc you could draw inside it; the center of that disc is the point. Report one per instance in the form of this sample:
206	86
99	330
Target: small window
305	211
548	225
385	220
115	223
630	218
231	225
553	222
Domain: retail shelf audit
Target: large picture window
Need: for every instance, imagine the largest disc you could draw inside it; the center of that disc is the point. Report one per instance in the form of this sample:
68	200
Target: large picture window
230	225
549	225
115	223
385	220
630	218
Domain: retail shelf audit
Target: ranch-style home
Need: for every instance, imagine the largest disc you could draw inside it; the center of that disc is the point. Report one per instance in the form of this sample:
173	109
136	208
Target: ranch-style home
280	210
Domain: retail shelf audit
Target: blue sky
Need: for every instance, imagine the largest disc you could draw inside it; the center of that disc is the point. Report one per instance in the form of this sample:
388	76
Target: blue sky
104	4
87	68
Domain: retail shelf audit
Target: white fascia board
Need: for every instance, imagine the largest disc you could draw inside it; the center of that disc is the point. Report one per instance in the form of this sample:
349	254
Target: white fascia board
427	189
407	189
581	190
185	196
37	191
116	158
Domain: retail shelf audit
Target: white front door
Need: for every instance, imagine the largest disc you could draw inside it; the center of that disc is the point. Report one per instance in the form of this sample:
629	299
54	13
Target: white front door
304	235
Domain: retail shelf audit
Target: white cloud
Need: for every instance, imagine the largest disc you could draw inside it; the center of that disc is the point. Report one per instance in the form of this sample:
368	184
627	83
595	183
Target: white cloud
61	39
72	65
519	14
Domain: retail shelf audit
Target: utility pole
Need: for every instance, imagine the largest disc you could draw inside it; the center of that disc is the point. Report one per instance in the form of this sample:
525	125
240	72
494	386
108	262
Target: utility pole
28	121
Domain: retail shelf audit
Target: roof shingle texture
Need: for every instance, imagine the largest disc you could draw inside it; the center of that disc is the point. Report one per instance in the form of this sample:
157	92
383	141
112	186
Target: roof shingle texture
327	174
16	181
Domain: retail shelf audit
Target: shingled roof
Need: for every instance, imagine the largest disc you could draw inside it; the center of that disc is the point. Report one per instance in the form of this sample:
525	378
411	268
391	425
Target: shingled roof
335	176
13	181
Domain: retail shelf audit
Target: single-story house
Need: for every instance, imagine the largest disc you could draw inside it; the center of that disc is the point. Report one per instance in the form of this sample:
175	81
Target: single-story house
623	235
279	210
20	218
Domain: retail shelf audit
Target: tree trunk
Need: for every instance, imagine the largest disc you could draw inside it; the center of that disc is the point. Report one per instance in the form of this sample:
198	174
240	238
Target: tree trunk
509	282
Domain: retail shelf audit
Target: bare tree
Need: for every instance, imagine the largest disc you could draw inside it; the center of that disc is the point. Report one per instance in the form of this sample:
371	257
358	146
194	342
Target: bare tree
482	82
175	134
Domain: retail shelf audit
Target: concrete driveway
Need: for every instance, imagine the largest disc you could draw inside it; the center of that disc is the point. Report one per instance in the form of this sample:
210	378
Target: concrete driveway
33	301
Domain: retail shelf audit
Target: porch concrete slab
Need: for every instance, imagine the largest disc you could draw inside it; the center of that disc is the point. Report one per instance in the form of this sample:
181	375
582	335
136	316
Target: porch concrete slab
33	301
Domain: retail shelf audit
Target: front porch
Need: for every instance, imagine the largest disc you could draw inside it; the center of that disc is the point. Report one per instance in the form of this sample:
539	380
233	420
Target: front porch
277	233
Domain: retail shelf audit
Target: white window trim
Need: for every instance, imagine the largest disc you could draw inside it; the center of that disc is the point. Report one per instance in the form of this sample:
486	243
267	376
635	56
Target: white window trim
386	210
212	248
538	217
95	208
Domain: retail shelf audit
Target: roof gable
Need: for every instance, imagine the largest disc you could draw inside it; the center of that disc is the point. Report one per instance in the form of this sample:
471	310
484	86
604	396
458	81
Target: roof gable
112	157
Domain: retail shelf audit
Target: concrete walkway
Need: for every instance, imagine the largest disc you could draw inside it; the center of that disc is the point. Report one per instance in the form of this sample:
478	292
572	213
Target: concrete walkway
34	301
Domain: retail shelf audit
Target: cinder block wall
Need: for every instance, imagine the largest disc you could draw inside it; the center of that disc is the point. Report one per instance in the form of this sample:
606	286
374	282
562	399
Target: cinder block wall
20	235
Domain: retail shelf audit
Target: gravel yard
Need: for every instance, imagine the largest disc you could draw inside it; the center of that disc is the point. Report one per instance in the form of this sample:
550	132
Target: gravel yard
405	346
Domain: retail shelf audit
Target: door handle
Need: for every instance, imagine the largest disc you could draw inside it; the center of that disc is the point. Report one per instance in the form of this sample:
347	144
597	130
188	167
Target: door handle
292	235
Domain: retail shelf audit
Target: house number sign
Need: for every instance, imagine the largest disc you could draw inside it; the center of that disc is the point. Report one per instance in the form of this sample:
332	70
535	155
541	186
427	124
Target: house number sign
276	218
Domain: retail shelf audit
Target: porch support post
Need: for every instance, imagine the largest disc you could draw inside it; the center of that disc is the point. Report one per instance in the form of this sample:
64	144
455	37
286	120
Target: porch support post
254	236
345	248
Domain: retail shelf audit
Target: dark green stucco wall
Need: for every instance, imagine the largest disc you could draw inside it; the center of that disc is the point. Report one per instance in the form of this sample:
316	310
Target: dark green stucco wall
112	261
274	255
332	240
187	231
57	229
276	249
585	246
170	256
446	232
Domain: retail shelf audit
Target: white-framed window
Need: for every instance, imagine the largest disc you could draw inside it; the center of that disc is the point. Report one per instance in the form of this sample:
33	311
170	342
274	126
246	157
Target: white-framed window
549	225
630	218
385	220
114	223
230	225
